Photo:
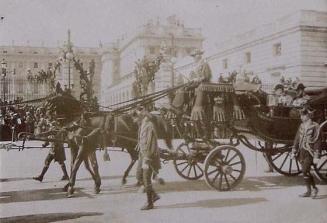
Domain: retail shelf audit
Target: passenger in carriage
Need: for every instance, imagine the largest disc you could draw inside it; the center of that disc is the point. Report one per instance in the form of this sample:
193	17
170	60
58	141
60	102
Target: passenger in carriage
306	147
301	97
278	100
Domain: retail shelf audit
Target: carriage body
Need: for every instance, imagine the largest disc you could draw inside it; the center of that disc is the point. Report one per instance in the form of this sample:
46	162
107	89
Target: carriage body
274	134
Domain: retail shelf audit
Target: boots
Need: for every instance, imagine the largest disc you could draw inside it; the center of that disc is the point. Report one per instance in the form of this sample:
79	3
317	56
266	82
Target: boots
308	185
155	196
149	204
315	192
65	176
40	177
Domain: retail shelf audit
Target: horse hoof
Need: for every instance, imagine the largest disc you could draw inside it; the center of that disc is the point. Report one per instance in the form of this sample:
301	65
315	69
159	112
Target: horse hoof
141	189
124	181
97	190
65	189
161	181
70	192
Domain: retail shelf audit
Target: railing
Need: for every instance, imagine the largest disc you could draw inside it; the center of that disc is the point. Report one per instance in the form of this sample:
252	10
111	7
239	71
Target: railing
11	89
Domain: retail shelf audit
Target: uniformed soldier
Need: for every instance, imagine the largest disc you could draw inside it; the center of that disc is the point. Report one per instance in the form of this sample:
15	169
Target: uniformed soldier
306	146
202	73
202	69
149	155
57	152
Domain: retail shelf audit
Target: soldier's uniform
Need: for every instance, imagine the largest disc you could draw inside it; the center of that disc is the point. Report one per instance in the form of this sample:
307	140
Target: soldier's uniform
149	157
57	152
201	72
306	146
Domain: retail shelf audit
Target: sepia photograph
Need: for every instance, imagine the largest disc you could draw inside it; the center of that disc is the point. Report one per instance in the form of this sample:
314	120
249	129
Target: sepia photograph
166	111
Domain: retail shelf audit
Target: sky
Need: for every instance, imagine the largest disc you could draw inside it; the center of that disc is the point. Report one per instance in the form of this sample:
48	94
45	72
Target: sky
45	22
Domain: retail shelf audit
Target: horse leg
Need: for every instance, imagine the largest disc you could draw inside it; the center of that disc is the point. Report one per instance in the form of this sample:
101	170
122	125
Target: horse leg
97	179
134	157
80	157
73	152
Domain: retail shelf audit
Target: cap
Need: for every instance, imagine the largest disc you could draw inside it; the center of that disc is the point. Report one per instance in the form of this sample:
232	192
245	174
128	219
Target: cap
278	86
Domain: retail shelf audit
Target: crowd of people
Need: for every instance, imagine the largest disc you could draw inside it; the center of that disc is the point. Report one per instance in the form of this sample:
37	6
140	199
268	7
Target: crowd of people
16	117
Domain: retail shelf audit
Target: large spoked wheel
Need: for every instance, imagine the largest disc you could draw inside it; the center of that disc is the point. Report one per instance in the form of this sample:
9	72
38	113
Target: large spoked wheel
321	166
224	168
187	163
282	162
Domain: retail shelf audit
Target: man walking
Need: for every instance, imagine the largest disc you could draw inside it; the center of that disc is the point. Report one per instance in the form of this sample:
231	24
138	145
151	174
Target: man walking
307	145
56	153
149	155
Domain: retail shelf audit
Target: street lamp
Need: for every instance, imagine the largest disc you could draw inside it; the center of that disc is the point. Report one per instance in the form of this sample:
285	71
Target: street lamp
69	56
3	74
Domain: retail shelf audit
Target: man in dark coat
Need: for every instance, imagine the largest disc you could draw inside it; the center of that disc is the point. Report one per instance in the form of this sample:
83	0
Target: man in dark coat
306	145
149	155
57	152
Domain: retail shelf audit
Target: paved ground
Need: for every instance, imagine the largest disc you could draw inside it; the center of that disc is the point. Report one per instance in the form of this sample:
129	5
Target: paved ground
260	198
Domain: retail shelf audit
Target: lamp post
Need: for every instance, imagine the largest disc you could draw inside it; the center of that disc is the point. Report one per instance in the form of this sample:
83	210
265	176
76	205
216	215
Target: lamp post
69	56
3	74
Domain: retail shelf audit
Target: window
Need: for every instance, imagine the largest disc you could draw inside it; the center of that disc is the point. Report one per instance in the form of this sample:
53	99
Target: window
225	63
5	51
35	65
20	52
188	50
35	52
277	49
248	57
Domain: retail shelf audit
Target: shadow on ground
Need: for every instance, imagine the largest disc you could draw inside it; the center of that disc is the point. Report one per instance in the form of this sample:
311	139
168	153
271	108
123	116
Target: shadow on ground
247	184
215	203
45	218
37	195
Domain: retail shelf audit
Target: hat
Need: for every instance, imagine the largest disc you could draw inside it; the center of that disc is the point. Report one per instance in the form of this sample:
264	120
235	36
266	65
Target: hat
306	110
300	86
278	86
196	52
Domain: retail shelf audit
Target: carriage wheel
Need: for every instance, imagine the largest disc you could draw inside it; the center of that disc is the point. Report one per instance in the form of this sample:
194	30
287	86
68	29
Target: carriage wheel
283	163
224	168
321	167
187	163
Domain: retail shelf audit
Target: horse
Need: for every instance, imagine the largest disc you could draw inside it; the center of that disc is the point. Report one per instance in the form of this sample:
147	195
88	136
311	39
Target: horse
106	130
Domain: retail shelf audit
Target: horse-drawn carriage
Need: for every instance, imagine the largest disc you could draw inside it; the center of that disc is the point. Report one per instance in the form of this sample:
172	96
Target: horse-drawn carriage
235	114
242	112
